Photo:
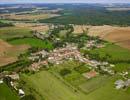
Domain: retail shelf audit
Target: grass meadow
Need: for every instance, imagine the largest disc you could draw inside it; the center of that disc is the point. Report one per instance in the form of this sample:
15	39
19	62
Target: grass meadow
6	93
116	53
50	87
34	42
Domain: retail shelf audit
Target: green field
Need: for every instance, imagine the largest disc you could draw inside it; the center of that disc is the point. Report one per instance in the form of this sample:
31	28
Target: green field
75	77
6	93
12	32
108	92
112	53
120	67
34	42
51	88
93	84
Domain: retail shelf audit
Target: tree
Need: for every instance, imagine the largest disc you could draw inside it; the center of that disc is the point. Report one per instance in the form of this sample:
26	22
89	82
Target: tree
65	71
7	80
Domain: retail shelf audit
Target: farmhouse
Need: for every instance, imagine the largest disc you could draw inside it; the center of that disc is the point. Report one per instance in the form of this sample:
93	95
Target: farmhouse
90	74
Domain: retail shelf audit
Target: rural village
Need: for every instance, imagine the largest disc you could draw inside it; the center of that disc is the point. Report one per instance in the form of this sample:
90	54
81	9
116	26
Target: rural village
64	52
69	51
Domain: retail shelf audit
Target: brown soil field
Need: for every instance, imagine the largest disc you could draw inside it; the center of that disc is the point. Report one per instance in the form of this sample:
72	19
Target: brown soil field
7	60
28	16
9	53
118	35
33	26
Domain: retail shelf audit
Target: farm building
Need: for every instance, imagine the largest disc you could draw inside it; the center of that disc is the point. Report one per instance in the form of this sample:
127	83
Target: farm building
90	74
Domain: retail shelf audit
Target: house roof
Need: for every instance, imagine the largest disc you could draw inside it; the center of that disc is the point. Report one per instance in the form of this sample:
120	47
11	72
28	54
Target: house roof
90	74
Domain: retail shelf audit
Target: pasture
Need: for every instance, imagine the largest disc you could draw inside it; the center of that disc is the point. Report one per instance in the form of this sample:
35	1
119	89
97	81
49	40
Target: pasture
120	67
6	93
75	76
108	92
33	42
93	84
99	88
112	53
50	88
46	85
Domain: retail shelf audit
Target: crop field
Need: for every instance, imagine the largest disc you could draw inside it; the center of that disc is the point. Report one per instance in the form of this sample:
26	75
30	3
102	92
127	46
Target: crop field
51	88
12	32
33	26
6	93
119	36
9	53
33	42
116	34
29	16
108	92
93	84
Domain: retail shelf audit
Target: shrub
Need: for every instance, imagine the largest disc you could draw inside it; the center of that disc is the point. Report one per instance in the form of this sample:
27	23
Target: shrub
81	69
65	71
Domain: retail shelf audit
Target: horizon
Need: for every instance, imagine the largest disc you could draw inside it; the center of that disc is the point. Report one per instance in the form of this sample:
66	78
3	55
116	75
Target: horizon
62	1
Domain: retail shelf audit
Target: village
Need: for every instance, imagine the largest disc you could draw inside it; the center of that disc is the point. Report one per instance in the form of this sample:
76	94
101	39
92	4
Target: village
69	51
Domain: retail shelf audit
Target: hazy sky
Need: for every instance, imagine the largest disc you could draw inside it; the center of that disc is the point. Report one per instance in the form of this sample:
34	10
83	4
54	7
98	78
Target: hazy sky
65	1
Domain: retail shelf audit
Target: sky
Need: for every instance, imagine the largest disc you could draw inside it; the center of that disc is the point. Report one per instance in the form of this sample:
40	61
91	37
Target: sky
64	1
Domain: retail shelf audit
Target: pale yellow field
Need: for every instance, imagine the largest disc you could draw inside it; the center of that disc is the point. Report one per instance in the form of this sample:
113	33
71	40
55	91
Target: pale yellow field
118	9
118	35
33	26
28	16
